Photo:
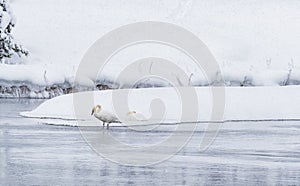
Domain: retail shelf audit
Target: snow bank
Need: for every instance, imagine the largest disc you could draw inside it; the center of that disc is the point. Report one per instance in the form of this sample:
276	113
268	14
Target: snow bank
39	74
255	43
248	103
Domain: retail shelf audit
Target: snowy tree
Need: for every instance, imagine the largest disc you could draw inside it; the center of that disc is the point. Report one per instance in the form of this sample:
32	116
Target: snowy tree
8	47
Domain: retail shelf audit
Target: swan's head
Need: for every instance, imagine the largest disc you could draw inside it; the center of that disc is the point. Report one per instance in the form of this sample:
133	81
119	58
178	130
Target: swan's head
97	108
131	113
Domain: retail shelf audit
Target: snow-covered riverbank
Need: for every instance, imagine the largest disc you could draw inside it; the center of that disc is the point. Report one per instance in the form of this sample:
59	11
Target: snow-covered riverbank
252	48
247	103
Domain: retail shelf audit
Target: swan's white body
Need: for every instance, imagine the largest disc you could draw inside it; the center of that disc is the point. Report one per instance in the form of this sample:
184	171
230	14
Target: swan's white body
104	116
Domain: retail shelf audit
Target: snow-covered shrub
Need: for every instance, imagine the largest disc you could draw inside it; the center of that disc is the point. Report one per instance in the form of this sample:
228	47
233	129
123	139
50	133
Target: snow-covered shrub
8	47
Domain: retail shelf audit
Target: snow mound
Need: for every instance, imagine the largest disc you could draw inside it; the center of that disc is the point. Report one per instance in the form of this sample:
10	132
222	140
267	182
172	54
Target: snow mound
247	103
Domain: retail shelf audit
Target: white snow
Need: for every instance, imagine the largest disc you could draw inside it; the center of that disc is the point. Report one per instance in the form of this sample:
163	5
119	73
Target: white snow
39	74
247	38
247	103
5	19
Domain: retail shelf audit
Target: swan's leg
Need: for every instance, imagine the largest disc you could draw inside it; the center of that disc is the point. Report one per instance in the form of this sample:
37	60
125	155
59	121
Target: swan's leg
107	125
103	123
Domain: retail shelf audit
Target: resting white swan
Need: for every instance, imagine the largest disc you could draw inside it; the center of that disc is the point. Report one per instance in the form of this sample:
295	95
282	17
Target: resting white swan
104	116
134	116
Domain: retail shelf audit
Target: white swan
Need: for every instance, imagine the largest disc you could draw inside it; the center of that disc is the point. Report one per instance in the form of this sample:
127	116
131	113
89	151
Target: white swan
134	116
104	116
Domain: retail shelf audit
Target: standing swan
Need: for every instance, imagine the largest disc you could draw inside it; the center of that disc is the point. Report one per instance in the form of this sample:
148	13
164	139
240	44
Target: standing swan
104	116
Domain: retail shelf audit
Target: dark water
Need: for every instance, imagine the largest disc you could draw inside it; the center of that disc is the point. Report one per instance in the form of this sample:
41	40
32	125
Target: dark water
244	153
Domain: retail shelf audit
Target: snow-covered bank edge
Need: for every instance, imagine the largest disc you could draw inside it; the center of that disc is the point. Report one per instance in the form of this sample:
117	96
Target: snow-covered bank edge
46	84
242	104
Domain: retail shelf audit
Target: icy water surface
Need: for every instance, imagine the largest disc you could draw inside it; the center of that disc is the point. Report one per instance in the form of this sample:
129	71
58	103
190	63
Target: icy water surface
249	153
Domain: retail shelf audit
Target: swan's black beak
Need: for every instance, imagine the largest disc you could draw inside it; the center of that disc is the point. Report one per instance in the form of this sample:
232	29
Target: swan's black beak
92	112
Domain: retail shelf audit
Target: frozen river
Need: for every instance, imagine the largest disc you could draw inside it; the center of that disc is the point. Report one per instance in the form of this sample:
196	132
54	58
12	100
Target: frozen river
250	153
